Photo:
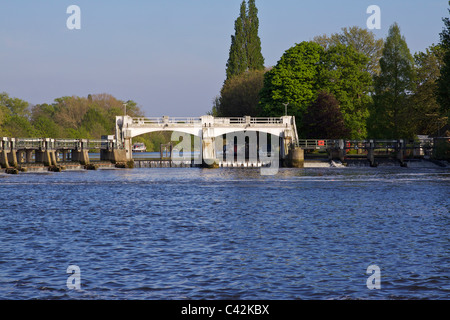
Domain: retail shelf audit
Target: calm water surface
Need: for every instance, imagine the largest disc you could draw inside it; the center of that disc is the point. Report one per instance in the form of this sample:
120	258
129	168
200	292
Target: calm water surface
191	233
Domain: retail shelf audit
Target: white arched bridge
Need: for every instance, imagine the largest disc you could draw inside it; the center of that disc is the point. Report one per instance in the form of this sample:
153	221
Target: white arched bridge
215	133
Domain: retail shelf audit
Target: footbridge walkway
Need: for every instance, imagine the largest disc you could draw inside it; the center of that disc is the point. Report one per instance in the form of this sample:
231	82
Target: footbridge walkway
216	136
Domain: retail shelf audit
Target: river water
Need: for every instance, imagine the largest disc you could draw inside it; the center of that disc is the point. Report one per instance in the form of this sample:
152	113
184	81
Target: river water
191	233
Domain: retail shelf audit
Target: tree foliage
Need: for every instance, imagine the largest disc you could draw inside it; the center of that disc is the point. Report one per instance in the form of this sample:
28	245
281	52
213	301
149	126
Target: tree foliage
344	74
293	80
255	57
305	69
245	50
14	117
323	118
443	86
362	40
67	117
240	95
426	114
393	87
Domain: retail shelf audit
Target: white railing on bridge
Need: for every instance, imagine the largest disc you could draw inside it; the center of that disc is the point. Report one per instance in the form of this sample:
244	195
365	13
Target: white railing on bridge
251	120
165	120
144	121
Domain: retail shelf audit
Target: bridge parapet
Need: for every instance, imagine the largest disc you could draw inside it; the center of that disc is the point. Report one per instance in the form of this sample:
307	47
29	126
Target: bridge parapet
210	129
141	121
206	120
56	144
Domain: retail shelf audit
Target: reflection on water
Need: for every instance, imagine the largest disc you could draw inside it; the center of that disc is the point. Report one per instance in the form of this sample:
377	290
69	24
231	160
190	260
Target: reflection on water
189	233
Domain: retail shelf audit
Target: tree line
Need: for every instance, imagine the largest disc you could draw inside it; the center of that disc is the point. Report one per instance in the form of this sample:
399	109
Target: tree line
70	118
345	85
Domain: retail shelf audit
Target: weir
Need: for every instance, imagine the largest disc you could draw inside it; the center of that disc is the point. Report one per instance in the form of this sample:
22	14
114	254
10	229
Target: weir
240	142
24	152
215	134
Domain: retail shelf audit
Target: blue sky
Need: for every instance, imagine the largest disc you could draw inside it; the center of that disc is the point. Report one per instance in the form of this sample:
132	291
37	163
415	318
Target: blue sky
170	55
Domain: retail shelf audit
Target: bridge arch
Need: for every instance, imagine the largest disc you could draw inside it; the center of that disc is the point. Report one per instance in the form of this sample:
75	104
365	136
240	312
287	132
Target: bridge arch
209	129
273	131
134	132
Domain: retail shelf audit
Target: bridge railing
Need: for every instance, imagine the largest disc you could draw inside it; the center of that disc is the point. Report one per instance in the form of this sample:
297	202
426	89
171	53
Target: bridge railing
316	144
143	121
324	144
165	120
27	143
94	144
243	120
57	144
66	143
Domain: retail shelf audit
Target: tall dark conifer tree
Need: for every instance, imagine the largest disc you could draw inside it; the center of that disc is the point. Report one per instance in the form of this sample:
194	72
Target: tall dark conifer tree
254	55
245	50
443	91
390	116
238	62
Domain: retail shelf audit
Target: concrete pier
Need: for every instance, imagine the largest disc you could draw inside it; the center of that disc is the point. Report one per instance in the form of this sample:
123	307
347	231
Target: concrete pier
4	163
297	158
81	156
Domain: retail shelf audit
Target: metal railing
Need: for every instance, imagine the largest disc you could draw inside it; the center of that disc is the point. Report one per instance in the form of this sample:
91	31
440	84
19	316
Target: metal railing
93	144
315	144
66	143
244	120
324	144
57	144
143	121
165	120
25	143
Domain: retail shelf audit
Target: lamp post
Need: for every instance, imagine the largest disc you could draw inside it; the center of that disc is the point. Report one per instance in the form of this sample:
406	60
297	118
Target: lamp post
285	108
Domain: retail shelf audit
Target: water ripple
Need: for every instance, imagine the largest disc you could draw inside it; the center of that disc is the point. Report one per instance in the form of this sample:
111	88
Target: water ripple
226	234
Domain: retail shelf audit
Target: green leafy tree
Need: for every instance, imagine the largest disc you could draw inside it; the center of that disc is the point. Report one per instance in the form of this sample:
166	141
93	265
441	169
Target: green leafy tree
215	108
363	40
343	73
15	116
443	87
245	50
96	123
240	95
4	114
19	127
292	81
389	114
16	106
42	118
324	120
307	68
68	117
46	127
426	116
